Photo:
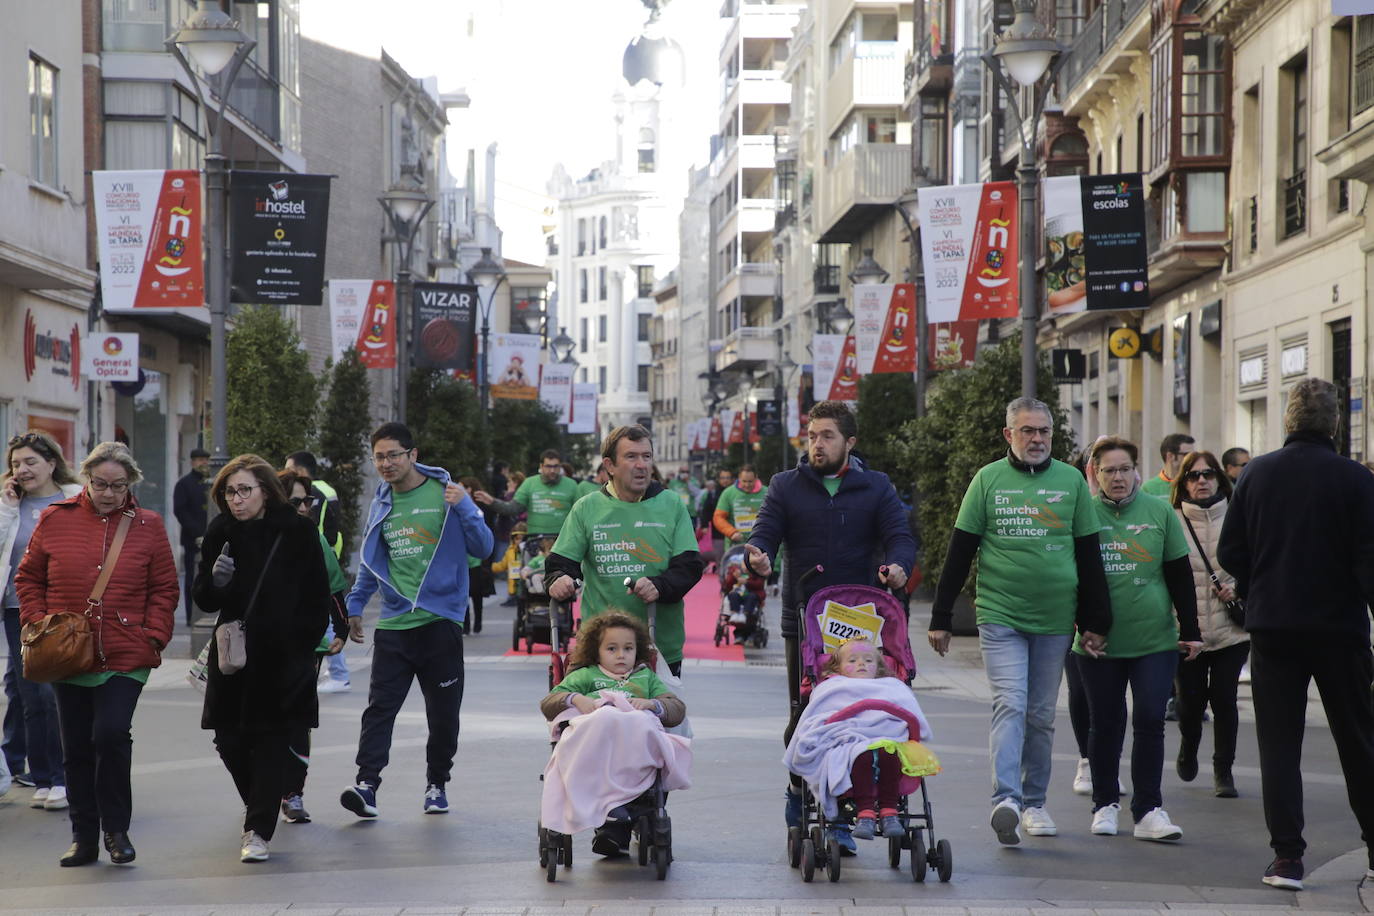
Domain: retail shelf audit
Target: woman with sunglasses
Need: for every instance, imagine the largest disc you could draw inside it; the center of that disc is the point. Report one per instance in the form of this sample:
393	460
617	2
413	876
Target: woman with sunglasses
261	563
130	627
36	476
1200	496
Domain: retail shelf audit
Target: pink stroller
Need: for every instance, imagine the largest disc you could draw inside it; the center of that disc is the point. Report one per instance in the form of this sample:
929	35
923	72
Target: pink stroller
810	845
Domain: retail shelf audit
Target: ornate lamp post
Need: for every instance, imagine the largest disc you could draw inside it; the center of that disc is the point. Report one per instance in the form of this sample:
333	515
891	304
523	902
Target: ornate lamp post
406	204
488	274
906	206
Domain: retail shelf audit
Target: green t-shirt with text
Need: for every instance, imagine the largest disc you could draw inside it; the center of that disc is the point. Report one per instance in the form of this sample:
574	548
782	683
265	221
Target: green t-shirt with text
411	532
1027	576
613	540
587	488
741	508
1136	542
547	505
641	683
1158	486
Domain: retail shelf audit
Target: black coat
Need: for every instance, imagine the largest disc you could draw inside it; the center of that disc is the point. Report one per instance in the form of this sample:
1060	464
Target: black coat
188	505
276	690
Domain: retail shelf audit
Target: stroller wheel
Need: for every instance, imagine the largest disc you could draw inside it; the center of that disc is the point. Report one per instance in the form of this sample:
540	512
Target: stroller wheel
944	867
894	851
551	869
794	845
645	839
918	857
765	637
515	634
832	859
661	857
808	860
567	850
543	847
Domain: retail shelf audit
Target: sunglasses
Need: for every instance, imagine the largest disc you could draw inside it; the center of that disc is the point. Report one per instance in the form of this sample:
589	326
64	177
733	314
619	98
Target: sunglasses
1206	474
31	440
298	501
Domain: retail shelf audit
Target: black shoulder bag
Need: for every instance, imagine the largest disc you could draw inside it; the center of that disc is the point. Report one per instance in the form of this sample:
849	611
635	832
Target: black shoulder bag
1235	608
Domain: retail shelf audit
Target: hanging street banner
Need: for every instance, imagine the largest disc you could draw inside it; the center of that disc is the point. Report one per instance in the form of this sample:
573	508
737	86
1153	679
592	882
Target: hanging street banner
1096	257
953	345
885	327
377	332
512	371
583	419
148	235
769	417
110	357
442	317
715	440
347	302
727	425
836	376
556	389
969	245
278	224
736	428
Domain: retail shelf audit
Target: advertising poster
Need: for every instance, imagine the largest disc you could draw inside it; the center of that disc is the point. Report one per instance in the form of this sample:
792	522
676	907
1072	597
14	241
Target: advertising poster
377	332
583	419
736	427
769	417
442	318
969	244
844	384
1096	256
825	355
278	224
885	327
148	234
556	388
347	301
715	439
953	345
110	357
513	372
727	425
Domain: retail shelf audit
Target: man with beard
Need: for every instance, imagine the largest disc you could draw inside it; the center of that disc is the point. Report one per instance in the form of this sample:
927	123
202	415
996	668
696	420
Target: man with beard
833	511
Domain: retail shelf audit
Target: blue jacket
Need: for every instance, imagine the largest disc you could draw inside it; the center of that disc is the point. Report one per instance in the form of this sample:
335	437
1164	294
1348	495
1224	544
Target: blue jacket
444	588
861	527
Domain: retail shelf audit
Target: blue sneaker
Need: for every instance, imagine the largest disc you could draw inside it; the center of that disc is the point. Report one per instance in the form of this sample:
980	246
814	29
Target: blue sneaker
360	799
793	812
841	834
436	802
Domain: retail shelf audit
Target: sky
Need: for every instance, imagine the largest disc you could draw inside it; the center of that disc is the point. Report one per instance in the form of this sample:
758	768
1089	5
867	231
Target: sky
540	74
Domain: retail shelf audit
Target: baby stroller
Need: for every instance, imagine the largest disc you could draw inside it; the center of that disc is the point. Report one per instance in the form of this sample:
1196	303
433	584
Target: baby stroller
535	610
645	816
811	846
741	611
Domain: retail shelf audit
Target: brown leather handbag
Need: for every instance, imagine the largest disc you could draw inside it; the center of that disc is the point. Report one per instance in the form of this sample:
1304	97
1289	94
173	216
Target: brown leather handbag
60	645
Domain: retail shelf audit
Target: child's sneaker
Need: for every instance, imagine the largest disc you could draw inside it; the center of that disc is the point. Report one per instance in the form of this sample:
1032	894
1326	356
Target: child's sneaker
843	836
792	813
865	825
892	824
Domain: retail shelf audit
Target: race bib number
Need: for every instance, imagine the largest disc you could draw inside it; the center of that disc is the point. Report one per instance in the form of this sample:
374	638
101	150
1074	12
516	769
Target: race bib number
839	623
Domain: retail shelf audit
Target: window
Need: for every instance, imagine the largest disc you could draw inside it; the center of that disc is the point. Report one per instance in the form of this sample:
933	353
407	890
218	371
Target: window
1202	95
582	238
1362	81
1069	16
603	232
1161	102
1140	142
43	123
601	284
643	380
601	329
601	379
880	129
582	284
644	321
646	150
583	339
933	138
527	308
1294	89
644	276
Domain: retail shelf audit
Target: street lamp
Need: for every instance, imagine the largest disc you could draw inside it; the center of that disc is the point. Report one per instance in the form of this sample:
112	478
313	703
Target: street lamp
906	207
488	274
786	367
211	41
867	270
834	315
406	204
1027	51
562	347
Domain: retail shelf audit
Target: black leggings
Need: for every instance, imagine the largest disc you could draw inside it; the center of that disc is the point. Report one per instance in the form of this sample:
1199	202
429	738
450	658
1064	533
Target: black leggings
1211	678
1079	716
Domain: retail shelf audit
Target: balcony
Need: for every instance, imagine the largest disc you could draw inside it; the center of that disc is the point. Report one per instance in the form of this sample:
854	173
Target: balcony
863	186
747	348
873	77
825	280
758	279
1100	32
757	151
1186	232
786	216
757	214
932	74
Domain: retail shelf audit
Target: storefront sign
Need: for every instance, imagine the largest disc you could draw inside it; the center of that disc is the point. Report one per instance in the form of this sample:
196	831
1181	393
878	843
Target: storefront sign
148	235
1252	371
111	357
1293	360
969	244
444	327
377	333
278	223
1095	251
46	349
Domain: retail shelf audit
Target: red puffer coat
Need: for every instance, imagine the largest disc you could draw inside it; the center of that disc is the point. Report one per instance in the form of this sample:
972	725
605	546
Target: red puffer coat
134	621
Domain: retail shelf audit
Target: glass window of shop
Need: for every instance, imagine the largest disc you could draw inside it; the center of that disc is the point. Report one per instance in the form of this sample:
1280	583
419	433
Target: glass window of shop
142	419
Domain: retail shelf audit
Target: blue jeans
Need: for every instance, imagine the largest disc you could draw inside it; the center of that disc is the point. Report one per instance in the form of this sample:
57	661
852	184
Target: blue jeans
43	739
1023	670
1150	677
338	668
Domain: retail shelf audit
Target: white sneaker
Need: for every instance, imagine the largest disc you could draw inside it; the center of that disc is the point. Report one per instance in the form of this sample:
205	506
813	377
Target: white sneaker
57	798
40	798
1037	822
254	848
329	685
1104	820
1006	822
1083	778
1155	825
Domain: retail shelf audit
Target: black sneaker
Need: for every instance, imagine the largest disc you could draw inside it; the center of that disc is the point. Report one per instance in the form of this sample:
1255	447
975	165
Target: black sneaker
604	844
24	779
293	809
1284	873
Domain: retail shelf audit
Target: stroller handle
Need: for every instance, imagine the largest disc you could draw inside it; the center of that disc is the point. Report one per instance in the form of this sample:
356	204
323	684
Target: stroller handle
913	725
650	608
810	574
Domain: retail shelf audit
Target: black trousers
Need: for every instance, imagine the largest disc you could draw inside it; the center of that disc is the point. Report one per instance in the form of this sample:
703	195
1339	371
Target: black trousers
1211	679
98	750
259	763
1282	663
1079	716
190	555
433	655
298	753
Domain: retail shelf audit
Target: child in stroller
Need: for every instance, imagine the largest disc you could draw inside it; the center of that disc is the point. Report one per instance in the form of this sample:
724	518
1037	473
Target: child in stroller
613	767
741	608
533	570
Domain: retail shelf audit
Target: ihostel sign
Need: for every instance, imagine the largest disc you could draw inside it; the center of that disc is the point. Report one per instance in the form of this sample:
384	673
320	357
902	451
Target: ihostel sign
111	357
278	223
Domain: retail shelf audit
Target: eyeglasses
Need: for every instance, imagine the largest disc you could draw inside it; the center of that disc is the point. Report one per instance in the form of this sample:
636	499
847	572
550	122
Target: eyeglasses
240	492
117	487
1204	474
386	457
1117	472
299	501
1042	431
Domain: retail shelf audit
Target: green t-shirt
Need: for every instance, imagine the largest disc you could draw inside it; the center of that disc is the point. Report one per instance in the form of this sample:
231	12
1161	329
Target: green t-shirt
547	506
411	532
587	487
613	540
537	563
1158	486
831	483
1027	577
1136	542
742	508
97	678
641	682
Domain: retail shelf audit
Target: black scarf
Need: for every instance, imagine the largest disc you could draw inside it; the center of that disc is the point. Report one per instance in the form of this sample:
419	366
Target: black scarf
1022	466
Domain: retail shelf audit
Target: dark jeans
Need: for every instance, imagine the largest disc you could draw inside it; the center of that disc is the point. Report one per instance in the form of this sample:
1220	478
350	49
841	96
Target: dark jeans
190	556
1150	677
1282	663
1211	678
433	655
259	762
1078	704
38	705
875	783
14	744
98	750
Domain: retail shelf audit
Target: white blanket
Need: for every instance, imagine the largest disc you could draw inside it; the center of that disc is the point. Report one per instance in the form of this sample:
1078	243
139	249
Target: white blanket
823	752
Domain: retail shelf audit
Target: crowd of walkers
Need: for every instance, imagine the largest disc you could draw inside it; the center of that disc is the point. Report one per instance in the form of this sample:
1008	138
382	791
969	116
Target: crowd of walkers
1159	589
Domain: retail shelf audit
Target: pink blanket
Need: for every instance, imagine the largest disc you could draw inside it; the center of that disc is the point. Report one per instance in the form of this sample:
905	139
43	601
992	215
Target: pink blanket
606	758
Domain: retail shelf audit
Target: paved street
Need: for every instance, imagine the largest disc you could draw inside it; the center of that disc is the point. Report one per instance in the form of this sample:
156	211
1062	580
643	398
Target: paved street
728	836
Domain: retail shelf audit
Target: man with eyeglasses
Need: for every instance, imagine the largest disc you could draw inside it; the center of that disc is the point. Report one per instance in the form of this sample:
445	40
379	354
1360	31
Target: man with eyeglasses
190	498
325	511
1233	462
421	528
547	497
1030	521
1172	448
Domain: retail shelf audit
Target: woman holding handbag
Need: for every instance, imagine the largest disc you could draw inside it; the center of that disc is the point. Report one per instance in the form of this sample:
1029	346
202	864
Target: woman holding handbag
262	570
1200	495
100	558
